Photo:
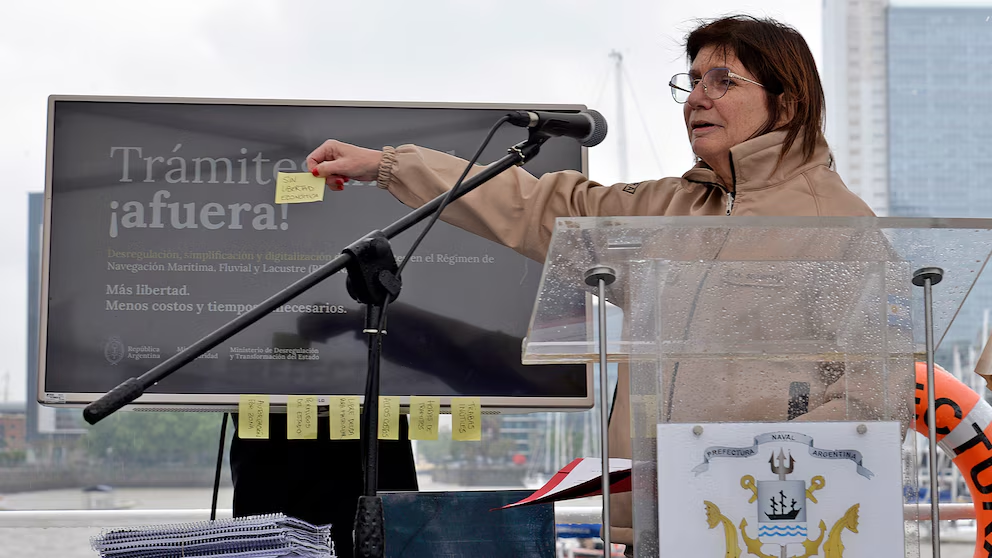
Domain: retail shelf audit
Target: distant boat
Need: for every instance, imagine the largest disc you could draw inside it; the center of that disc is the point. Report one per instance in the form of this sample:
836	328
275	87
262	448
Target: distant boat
101	497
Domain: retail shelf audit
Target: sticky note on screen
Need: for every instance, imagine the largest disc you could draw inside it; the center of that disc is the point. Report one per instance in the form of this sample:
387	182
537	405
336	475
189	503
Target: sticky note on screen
301	415
344	413
389	418
253	417
466	419
424	414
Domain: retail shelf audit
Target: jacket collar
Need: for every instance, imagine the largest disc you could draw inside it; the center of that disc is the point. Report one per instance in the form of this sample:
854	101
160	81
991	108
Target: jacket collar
754	162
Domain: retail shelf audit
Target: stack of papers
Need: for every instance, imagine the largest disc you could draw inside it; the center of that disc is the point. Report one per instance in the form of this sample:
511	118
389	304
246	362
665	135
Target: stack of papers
273	535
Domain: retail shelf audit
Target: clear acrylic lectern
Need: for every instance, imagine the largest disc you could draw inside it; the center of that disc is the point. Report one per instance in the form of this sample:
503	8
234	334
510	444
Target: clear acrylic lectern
757	320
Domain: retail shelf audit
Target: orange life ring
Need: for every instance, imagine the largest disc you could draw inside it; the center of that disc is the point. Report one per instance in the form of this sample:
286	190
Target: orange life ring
964	428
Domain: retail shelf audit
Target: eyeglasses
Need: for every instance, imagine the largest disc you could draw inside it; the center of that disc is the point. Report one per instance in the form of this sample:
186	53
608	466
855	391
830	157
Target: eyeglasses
715	82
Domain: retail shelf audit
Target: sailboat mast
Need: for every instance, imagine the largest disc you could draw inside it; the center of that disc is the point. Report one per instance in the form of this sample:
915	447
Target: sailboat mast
620	126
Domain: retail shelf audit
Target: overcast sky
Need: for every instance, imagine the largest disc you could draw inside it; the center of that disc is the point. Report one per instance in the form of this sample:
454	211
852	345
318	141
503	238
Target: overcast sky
534	51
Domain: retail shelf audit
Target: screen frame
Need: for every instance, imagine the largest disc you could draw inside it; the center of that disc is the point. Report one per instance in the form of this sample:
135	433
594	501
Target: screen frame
229	402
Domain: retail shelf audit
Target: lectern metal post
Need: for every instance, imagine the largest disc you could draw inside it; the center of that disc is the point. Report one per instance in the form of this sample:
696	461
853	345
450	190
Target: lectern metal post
600	277
927	277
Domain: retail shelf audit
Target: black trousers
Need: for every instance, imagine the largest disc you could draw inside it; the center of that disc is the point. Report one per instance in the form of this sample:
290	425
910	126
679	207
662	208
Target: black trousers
318	481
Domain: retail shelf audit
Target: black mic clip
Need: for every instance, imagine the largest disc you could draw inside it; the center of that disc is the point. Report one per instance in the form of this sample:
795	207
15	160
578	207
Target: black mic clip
372	270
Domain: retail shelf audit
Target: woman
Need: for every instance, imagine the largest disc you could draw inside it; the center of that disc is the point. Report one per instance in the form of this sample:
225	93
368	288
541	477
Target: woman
753	107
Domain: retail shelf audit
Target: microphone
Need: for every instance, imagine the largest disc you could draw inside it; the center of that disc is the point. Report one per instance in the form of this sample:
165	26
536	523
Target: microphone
588	127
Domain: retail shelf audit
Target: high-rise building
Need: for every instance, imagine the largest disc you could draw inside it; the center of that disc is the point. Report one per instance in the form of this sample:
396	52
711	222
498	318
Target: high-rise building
854	81
940	126
908	116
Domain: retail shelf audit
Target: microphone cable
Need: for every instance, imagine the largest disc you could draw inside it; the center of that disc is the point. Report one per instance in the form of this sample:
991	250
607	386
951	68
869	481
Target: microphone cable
447	199
375	339
437	213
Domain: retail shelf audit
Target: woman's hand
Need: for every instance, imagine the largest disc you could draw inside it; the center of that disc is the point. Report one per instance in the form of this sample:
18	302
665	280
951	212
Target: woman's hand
339	162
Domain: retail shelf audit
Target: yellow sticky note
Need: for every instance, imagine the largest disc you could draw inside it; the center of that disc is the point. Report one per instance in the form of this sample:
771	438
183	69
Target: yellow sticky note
466	419
253	417
344	414
389	417
301	417
299	187
424	413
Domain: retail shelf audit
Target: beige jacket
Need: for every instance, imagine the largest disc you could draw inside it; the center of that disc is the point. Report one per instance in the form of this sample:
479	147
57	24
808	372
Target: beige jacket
519	210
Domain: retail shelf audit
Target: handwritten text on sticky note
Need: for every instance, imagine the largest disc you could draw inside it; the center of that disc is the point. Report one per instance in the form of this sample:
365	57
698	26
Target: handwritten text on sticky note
253	416
344	414
389	418
424	413
299	187
301	412
466	419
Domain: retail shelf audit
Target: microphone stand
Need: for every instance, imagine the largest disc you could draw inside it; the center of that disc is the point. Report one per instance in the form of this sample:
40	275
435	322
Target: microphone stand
371	275
373	281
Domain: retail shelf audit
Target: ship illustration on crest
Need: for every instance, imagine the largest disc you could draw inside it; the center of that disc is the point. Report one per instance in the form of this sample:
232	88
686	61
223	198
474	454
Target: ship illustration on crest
782	504
780	516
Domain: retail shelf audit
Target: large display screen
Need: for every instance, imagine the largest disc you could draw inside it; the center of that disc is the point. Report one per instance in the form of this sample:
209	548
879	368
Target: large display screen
161	227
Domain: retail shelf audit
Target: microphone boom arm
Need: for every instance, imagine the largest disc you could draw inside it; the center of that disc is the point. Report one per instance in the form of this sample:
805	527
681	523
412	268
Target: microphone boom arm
132	388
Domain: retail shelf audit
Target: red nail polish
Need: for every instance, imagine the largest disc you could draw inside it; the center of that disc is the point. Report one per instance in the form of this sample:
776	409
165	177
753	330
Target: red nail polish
315	172
339	182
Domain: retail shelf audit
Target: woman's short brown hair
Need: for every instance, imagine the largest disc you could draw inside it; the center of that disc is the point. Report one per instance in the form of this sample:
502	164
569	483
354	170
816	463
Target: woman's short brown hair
779	58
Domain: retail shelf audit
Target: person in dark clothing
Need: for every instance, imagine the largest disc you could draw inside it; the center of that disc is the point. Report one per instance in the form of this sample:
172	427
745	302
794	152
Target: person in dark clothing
318	481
